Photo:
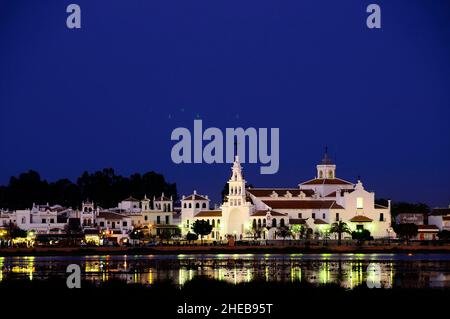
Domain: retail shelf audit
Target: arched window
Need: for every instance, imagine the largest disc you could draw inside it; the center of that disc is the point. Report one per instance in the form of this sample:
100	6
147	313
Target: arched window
259	222
274	222
197	205
184	205
320	174
204	205
264	222
190	205
213	223
282	222
218	222
330	174
254	223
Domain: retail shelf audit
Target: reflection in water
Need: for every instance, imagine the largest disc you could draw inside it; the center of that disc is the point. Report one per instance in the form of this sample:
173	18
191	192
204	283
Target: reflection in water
346	270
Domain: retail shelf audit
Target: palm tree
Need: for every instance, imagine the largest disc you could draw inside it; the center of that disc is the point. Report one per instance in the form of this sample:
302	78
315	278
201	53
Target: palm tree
340	228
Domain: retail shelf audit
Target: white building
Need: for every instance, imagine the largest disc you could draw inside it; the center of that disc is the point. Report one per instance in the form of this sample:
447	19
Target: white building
440	217
316	203
42	219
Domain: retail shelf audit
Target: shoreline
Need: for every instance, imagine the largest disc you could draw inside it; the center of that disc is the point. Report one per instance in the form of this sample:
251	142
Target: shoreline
194	250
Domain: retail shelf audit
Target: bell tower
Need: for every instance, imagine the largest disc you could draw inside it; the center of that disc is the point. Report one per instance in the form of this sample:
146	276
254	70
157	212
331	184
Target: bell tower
236	185
326	169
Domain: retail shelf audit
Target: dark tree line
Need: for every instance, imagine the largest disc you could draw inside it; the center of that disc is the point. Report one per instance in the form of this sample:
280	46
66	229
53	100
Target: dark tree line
405	208
103	187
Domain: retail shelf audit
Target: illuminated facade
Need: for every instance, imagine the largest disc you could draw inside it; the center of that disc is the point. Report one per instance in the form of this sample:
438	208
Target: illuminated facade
249	213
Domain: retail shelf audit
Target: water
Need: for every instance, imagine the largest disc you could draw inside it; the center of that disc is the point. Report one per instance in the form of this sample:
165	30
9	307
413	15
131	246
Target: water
347	270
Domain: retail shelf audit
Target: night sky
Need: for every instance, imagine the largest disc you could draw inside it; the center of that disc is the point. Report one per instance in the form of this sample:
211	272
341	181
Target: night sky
110	94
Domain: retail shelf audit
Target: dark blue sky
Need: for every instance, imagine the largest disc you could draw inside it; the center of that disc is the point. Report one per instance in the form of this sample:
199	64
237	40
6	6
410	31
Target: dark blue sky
110	94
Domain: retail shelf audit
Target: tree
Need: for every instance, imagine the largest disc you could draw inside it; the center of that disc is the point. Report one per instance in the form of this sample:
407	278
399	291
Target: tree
137	234
201	228
104	186
299	230
339	228
73	230
444	235
190	237
168	234
361	235
15	232
255	232
406	231
283	232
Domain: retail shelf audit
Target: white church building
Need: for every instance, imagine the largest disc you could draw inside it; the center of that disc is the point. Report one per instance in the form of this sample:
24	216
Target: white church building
315	204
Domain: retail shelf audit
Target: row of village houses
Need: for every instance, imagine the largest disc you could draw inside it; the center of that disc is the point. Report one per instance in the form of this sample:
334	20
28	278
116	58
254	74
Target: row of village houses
316	204
117	223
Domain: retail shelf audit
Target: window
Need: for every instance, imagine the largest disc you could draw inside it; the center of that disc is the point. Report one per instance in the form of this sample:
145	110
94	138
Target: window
259	222
330	174
158	220
190	205
337	216
282	222
184	205
359	203
204	205
264	222
213	223
145	217
197	205
167	220
323	216
381	217
320	174
52	221
44	220
359	227
300	215
313	215
102	224
124	224
274	222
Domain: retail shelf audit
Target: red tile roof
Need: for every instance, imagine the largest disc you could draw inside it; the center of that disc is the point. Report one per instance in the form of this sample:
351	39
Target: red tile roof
264	213
333	194
361	219
267	192
427	227
302	204
297	221
109	215
326	181
209	213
